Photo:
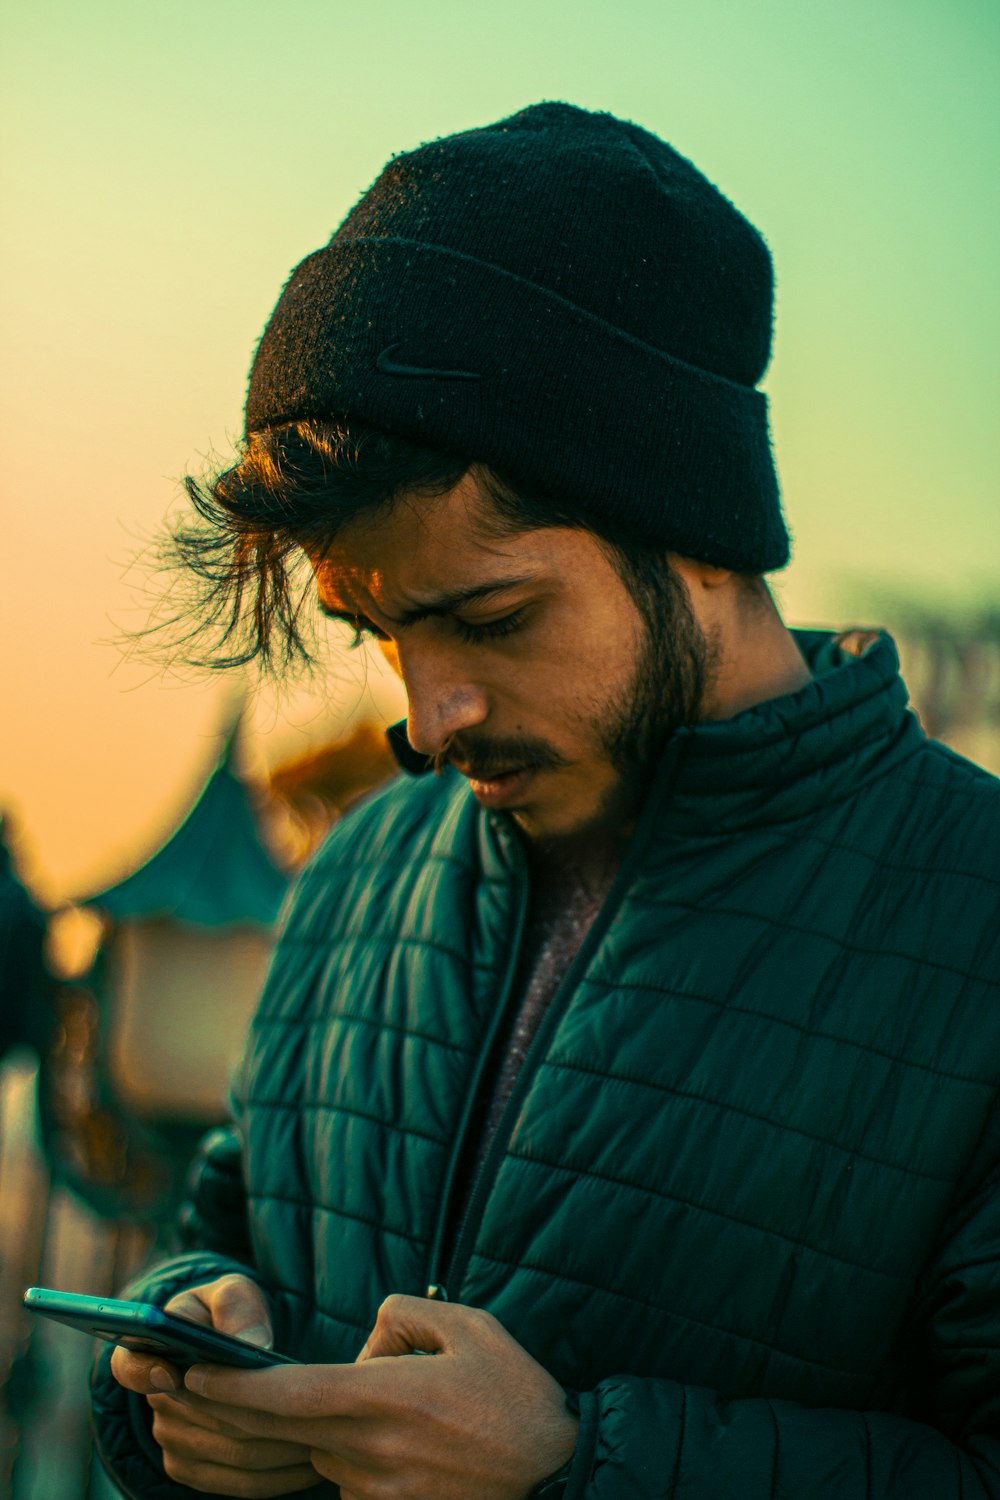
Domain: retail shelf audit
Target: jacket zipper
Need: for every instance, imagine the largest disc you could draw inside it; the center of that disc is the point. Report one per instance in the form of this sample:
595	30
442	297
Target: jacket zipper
444	1282
436	1287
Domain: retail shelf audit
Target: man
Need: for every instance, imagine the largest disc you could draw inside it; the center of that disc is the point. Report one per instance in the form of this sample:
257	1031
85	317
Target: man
640	1067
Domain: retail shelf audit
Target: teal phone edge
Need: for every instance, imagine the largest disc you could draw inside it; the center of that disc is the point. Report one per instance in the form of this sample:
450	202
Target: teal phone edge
147	1329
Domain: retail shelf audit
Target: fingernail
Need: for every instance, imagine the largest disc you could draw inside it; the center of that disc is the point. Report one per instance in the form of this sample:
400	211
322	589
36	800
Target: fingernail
195	1379
258	1334
162	1379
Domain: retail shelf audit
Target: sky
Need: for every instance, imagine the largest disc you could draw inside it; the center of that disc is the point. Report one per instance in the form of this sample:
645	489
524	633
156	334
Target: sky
164	165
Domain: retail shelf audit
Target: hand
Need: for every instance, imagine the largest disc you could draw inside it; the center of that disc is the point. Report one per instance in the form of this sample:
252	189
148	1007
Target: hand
479	1418
199	1449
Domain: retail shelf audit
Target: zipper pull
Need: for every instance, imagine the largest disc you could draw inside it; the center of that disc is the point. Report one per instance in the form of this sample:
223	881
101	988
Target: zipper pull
436	1293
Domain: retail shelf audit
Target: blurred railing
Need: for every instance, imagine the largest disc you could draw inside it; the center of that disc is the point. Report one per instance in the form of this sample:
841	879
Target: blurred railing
952	670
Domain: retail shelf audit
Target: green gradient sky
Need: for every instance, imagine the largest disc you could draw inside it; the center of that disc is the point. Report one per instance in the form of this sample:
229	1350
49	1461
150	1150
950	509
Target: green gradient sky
164	166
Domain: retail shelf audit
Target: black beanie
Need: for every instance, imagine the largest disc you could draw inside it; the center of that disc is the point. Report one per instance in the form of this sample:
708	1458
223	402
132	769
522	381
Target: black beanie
565	298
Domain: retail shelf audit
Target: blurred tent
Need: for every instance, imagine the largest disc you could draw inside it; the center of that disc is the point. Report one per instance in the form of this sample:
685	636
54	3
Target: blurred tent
215	871
151	1018
190	935
149	1032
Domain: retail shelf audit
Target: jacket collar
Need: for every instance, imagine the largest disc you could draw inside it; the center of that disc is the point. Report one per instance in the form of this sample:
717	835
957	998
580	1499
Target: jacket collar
790	756
784	758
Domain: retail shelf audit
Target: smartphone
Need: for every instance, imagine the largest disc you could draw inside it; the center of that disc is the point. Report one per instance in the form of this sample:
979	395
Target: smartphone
149	1330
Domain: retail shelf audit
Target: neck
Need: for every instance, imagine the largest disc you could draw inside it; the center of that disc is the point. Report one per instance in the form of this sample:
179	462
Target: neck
757	659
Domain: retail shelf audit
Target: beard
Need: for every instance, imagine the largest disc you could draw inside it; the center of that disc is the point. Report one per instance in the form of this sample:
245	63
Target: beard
674	666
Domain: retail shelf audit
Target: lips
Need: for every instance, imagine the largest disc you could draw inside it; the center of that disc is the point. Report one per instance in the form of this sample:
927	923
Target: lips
474	774
500	788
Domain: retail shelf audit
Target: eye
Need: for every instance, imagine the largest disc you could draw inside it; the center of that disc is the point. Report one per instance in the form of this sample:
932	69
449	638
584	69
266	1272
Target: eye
363	630
490	630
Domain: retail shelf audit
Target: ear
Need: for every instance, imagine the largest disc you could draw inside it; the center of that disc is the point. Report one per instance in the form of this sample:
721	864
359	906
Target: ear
699	575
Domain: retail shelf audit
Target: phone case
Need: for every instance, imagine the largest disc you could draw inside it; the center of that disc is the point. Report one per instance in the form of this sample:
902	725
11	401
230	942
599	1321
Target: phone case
147	1329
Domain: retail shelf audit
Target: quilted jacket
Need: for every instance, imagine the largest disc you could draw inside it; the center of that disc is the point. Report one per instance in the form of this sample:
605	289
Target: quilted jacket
745	1198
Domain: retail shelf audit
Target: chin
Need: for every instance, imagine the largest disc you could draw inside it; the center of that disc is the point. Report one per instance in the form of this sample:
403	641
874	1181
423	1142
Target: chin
541	823
592	801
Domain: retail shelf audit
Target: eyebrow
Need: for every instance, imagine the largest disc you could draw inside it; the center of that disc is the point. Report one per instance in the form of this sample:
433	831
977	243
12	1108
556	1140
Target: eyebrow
441	604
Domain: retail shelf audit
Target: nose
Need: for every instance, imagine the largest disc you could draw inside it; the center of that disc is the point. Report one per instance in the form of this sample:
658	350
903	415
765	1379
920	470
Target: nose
441	703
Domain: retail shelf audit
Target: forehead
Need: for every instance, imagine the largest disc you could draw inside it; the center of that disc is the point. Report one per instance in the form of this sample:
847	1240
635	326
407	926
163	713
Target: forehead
423	547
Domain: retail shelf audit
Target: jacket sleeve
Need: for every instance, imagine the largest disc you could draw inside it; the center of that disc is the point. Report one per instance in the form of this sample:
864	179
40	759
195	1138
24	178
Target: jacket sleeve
213	1214
649	1437
214	1229
123	1434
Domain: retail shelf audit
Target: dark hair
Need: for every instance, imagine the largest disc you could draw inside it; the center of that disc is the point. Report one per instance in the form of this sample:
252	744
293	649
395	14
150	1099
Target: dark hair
243	570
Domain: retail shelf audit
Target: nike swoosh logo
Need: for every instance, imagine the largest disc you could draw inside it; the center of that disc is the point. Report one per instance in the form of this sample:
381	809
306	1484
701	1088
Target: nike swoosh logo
389	366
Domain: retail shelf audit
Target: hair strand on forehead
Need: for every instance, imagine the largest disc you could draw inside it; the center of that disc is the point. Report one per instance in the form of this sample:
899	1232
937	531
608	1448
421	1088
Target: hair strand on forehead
240	586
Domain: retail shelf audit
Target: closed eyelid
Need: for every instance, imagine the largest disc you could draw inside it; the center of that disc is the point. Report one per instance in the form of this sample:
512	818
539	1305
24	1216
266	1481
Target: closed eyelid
448	604
363	628
350	617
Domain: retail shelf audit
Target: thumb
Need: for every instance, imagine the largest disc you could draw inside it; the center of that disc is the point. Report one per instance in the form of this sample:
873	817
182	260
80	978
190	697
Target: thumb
234	1304
409	1325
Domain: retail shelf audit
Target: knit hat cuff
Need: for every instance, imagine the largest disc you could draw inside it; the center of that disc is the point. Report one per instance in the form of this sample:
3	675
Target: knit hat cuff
435	363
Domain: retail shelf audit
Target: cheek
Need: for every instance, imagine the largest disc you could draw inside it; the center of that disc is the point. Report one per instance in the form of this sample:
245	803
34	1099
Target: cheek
582	676
559	701
597	647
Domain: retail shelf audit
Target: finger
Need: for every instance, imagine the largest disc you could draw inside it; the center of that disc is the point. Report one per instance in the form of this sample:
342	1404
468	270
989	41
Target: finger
144	1373
233	1304
260	1398
190	1304
217	1479
235	1420
351	1481
185	1440
200	1413
407	1323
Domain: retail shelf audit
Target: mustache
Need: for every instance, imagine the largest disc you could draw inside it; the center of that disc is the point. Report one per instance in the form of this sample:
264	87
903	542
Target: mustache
482	759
